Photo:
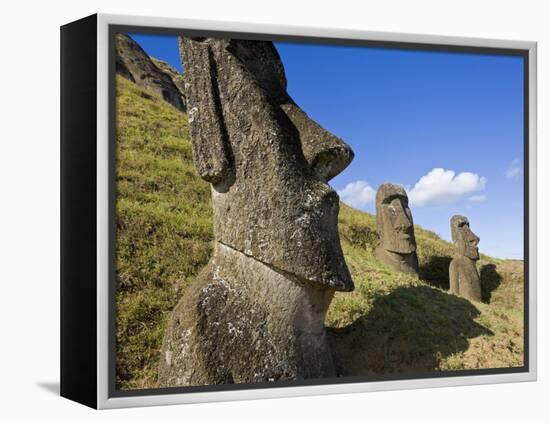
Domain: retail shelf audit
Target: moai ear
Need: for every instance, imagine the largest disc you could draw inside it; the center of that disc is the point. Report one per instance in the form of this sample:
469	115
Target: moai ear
206	126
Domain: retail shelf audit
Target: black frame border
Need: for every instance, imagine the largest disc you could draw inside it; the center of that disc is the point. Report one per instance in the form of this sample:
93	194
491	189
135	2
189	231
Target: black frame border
78	211
113	392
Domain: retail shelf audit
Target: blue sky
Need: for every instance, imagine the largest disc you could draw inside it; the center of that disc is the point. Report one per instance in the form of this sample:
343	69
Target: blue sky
447	126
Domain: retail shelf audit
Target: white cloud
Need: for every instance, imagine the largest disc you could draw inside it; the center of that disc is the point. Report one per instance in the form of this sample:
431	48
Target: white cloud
442	186
357	194
477	198
514	169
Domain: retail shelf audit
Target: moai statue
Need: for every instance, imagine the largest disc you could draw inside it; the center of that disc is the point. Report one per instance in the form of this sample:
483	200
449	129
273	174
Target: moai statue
256	312
463	275
394	224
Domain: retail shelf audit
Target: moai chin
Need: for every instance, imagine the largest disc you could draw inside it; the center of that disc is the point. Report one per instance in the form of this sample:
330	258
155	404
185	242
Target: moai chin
256	312
394	224
463	275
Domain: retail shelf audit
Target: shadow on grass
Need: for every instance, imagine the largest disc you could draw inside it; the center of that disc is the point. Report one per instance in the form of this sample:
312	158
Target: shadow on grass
490	280
436	271
408	331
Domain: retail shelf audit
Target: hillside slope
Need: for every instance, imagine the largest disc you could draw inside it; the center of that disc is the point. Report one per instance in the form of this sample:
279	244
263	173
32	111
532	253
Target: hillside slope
391	323
133	63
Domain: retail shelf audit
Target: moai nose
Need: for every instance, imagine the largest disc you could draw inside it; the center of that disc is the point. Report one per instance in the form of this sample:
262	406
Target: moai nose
331	156
327	154
471	238
401	221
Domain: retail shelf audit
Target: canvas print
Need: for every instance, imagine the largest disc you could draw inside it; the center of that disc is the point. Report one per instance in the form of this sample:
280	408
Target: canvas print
296	211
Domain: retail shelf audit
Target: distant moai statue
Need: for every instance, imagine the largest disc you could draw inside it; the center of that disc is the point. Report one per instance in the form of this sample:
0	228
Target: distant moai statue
463	275
256	312
394	224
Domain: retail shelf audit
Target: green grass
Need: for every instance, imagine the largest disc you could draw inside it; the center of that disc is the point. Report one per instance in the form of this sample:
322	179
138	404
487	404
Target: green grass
391	323
164	226
394	323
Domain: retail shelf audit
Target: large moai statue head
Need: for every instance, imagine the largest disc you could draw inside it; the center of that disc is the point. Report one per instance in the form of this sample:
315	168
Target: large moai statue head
267	161
463	275
465	240
394	224
256	312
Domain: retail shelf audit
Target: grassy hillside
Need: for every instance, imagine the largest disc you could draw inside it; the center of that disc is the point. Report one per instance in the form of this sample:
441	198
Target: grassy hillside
391	323
164	226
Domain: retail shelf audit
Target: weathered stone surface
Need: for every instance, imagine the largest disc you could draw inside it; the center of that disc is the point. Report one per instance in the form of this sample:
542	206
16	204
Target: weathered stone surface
256	312
134	64
394	224
463	275
242	321
177	78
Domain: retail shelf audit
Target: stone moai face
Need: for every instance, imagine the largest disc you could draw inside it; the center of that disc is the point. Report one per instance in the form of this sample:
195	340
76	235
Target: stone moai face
463	275
395	227
465	240
394	220
267	161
